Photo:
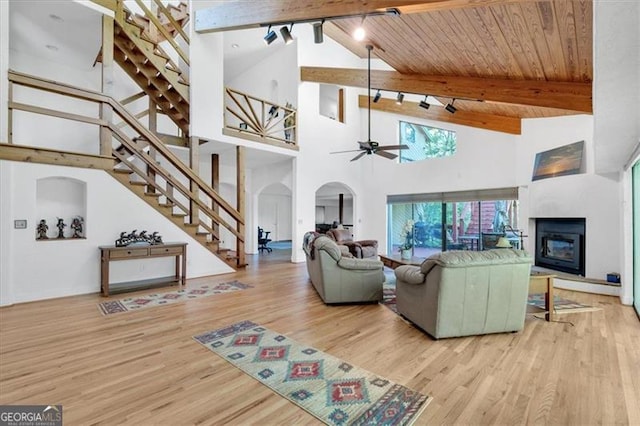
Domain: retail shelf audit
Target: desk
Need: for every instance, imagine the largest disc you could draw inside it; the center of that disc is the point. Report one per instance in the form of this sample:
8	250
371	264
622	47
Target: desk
394	260
113	253
543	283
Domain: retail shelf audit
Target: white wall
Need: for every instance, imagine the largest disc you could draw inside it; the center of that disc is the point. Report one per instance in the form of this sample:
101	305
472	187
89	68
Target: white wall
53	268
616	88
484	159
6	267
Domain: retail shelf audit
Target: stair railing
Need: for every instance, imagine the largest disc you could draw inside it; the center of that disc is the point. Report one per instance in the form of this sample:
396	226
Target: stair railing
158	26
195	190
259	119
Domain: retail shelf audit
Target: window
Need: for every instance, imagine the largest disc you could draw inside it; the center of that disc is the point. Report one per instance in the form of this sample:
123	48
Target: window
468	220
425	142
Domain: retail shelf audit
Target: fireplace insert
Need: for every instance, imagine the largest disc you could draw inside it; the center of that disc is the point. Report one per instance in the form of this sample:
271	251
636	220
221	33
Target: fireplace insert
560	245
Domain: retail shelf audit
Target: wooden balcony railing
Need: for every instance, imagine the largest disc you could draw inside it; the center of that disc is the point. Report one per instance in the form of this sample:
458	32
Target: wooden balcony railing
260	120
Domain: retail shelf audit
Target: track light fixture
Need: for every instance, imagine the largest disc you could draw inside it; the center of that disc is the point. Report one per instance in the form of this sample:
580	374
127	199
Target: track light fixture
400	98
377	97
450	107
424	104
359	32
286	34
318	33
270	37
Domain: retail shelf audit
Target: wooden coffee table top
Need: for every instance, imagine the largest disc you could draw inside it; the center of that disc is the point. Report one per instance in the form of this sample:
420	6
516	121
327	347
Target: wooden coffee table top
394	260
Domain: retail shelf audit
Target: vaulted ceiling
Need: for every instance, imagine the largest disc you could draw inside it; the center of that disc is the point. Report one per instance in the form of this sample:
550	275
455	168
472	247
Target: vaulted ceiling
521	58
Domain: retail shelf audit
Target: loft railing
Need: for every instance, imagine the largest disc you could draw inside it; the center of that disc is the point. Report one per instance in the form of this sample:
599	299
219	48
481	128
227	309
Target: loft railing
260	120
135	147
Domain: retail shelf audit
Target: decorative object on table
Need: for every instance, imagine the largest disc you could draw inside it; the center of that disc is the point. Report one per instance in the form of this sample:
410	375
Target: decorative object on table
61	225
77	224
134	238
329	388
503	242
560	305
561	161
289	122
42	229
406	234
129	304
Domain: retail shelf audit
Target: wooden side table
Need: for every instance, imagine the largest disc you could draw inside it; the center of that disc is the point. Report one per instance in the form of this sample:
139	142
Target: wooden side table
393	261
543	283
112	253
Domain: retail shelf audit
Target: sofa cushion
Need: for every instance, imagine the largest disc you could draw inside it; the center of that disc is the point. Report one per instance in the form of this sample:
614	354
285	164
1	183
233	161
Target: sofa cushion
328	245
466	258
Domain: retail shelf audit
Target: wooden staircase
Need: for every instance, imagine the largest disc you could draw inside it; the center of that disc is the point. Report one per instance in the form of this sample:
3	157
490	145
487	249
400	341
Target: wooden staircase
138	158
137	49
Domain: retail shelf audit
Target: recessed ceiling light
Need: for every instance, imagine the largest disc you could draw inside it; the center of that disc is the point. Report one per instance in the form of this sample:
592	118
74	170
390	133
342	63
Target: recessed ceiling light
52	47
235	45
55	17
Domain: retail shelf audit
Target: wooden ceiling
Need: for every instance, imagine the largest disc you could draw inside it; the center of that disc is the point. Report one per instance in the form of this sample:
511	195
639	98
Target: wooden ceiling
510	45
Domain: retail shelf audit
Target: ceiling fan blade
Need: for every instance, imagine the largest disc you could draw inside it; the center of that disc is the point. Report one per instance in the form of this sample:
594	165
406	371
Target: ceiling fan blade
391	147
359	156
386	154
342	152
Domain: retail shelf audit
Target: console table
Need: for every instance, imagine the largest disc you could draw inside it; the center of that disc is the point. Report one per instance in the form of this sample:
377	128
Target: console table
112	253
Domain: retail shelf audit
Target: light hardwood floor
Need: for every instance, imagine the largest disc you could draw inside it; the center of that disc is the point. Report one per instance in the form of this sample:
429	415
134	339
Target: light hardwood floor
144	368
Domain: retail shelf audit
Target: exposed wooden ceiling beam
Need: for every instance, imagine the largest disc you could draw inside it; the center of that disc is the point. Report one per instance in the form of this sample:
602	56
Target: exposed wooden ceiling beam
241	14
550	94
497	123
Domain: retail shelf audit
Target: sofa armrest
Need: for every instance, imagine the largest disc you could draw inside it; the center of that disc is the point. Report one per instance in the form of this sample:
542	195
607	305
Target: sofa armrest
368	243
409	274
360	264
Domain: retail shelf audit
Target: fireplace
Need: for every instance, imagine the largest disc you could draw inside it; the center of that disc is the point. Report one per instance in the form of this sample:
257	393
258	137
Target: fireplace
560	244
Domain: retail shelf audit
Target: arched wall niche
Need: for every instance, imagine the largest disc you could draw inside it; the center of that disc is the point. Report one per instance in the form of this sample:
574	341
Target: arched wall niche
60	197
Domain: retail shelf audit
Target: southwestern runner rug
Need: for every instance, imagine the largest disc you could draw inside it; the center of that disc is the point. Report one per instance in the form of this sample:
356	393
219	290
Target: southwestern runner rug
328	388
159	299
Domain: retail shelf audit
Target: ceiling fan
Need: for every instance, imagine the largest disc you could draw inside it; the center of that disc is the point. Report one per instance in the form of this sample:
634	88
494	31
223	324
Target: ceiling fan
371	147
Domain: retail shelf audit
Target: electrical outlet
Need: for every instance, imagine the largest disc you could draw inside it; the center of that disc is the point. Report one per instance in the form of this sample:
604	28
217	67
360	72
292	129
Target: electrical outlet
20	224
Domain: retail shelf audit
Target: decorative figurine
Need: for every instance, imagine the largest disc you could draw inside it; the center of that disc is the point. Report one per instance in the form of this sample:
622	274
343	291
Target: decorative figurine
61	225
77	225
138	239
42	230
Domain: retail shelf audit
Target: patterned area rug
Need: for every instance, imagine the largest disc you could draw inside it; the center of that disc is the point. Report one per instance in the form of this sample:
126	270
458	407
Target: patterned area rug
330	389
389	295
158	299
560	305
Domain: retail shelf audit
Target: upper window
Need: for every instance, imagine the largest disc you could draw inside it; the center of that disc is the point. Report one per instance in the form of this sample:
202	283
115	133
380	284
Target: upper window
425	142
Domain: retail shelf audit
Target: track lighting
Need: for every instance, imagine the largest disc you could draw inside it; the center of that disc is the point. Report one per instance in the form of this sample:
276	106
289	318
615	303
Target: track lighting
424	104
270	37
399	98
450	107
318	34
286	34
377	97
359	32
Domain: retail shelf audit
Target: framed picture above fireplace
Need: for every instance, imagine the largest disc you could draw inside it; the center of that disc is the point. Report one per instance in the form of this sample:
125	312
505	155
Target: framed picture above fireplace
561	161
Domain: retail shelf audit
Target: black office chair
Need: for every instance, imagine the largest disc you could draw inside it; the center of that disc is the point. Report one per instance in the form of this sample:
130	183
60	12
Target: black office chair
263	240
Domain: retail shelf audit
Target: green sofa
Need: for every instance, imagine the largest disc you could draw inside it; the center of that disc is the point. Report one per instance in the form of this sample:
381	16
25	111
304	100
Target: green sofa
337	276
462	293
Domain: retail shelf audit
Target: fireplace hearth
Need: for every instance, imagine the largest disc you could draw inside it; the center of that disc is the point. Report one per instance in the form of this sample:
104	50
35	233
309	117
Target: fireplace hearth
560	244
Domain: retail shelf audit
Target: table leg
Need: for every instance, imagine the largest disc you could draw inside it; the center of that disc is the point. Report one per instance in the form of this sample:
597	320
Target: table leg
548	300
184	266
104	274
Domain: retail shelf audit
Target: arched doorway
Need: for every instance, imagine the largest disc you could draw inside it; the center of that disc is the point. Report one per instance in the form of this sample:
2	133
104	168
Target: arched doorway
334	206
274	216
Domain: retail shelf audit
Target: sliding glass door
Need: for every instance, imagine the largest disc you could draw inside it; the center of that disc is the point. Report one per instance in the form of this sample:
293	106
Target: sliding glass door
471	220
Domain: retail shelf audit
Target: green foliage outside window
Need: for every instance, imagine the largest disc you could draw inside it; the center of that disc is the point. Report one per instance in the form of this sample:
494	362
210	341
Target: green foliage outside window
425	142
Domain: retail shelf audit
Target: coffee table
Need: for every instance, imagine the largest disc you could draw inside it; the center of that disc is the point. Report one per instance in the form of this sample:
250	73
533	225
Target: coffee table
394	260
